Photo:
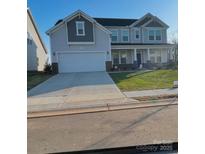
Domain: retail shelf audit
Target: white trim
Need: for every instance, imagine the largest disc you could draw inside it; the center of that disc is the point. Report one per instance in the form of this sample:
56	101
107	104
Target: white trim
148	54
66	27
160	35
74	14
135	55
122	30
155	36
149	34
117	35
119	55
152	18
64	52
51	52
158	20
146	15
94	31
117	27
164	46
77	27
136	29
81	42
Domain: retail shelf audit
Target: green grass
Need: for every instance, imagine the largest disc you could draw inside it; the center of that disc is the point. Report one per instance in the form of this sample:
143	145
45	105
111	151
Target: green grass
35	78
143	80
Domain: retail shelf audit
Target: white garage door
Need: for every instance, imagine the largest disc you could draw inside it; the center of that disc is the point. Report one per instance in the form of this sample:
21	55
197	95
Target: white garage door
81	62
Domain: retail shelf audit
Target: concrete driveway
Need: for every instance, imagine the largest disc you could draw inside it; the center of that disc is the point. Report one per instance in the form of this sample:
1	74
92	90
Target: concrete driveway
71	89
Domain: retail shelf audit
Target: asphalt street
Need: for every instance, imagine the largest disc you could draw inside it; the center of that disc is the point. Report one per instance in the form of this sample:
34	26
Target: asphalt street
103	130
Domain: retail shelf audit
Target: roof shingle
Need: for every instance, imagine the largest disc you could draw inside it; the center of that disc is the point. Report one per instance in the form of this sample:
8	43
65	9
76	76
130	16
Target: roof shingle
115	21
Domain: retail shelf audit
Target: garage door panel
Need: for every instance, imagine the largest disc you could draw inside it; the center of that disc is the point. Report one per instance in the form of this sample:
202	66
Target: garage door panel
81	62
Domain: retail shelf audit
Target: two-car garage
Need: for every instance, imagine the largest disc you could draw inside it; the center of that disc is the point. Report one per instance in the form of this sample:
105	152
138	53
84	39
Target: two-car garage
81	61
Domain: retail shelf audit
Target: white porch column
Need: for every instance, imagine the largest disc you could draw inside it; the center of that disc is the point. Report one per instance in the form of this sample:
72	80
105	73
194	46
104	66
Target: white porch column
119	57
148	54
135	54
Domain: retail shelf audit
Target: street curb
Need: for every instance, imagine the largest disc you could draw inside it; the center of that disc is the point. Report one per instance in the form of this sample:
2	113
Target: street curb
103	108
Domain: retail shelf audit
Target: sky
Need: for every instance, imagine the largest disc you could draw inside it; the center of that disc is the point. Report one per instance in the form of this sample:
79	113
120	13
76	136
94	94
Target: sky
47	12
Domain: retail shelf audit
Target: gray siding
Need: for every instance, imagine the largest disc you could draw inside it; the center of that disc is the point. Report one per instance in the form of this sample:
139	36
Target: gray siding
58	40
143	32
143	22
154	24
72	37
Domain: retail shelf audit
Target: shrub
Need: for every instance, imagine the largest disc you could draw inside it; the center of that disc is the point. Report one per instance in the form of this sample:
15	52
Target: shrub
172	65
48	68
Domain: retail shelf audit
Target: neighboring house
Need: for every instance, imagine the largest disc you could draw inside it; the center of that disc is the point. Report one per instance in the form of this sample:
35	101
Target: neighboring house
80	43
36	51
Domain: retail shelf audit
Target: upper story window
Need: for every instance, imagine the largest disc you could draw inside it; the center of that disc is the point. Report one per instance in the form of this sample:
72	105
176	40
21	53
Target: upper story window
155	35
114	35
80	28
125	35
158	34
151	35
137	34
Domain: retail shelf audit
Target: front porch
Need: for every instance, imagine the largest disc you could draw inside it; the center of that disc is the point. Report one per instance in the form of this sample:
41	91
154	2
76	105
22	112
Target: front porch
139	58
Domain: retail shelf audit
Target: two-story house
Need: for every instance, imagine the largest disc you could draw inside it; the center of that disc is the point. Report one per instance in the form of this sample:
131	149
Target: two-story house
80	43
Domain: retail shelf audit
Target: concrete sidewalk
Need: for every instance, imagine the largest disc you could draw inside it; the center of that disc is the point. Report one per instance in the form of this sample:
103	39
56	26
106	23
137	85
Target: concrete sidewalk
112	106
156	92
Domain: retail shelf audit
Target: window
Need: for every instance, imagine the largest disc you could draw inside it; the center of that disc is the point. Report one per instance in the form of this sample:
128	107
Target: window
137	34
151	35
115	58
125	35
159	59
123	57
155	35
80	28
114	35
158	35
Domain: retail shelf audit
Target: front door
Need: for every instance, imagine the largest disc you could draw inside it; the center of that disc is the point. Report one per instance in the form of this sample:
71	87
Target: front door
138	59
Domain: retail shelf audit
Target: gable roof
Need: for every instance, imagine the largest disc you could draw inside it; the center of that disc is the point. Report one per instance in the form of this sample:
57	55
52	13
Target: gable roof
115	21
101	22
81	13
146	19
155	22
36	29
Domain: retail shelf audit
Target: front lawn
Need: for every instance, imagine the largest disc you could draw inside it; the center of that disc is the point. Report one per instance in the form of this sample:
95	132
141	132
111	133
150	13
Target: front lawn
142	80
35	78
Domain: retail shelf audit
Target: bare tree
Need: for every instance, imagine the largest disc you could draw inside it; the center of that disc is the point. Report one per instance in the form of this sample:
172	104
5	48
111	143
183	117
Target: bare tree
175	50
